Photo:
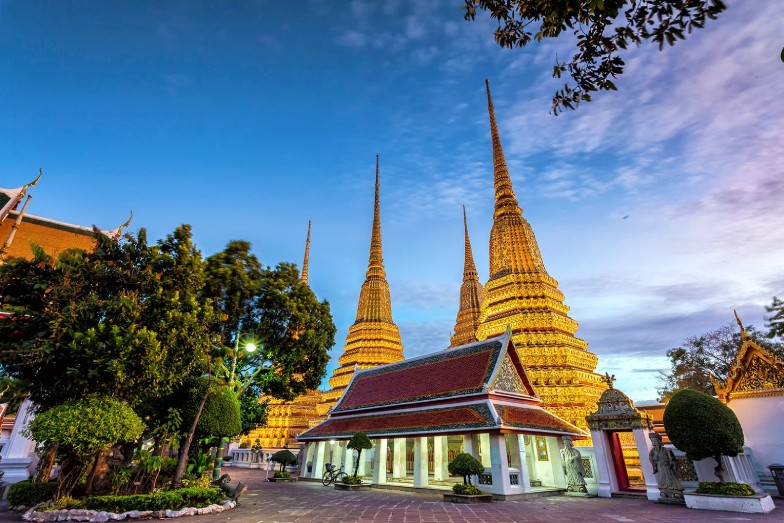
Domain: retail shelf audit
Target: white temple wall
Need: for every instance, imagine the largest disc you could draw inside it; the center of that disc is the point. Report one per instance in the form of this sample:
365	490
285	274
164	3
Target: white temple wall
762	419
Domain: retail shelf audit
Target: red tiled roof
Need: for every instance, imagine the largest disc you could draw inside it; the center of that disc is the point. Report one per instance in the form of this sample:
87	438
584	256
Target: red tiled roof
440	375
471	417
534	419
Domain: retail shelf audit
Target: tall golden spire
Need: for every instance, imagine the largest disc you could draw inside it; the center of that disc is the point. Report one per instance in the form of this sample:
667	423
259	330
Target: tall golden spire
470	297
307	258
520	293
373	339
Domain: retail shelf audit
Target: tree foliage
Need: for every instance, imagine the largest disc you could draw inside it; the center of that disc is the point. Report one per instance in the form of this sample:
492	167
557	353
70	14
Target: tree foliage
603	30
775	322
125	321
220	417
465	465
712	353
284	457
87	426
702	426
358	442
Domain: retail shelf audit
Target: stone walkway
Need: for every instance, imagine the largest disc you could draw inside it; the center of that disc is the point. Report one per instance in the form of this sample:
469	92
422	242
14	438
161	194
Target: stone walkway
307	502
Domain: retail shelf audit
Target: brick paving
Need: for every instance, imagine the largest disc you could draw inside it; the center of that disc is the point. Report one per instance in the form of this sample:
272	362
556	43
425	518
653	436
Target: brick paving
308	502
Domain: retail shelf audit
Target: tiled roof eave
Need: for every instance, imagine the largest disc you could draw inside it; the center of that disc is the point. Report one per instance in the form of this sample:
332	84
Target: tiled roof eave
420	404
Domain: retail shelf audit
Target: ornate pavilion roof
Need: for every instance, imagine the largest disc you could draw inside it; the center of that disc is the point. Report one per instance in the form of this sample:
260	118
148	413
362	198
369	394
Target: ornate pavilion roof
755	372
480	387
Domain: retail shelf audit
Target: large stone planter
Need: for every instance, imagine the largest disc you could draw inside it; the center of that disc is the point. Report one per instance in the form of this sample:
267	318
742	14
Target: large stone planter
344	486
282	480
468	498
756	504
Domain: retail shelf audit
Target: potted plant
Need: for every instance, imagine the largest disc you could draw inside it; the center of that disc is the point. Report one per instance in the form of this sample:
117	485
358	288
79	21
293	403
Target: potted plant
466	465
357	442
704	427
283	457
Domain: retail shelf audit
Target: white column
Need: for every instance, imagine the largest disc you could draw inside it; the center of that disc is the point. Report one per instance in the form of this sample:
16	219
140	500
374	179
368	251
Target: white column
380	462
644	446
420	463
440	458
337	453
471	445
554	446
399	458
522	458
484	449
604	465
348	459
499	468
320	459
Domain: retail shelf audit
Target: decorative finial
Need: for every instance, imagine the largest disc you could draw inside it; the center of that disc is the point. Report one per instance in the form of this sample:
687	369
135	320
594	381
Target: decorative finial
307	258
124	225
33	183
469	267
743	333
376	261
609	379
505	199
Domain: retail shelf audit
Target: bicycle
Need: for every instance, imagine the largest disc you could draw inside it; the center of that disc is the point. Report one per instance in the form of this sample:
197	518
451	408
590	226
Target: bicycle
332	474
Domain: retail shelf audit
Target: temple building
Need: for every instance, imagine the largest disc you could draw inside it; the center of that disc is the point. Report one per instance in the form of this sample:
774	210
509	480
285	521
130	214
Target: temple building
374	338
286	419
519	293
421	412
18	229
470	298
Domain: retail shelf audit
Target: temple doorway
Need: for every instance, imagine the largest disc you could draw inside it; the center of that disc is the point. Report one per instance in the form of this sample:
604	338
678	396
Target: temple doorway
626	461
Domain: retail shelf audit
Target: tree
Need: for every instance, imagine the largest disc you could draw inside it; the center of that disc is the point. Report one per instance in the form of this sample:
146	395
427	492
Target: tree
292	329
776	322
465	465
125	321
603	29
712	353
702	427
358	442
284	457
83	429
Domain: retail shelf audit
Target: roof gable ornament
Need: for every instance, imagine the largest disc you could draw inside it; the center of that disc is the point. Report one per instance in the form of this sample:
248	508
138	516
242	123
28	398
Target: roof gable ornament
509	374
15	196
755	372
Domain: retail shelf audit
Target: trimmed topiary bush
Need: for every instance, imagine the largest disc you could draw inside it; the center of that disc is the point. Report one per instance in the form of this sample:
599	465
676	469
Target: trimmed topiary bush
164	500
28	493
284	457
725	489
702	427
358	442
466	490
352	480
465	465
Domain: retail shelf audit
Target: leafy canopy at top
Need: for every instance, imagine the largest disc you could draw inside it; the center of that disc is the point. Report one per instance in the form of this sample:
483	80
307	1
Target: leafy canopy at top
603	29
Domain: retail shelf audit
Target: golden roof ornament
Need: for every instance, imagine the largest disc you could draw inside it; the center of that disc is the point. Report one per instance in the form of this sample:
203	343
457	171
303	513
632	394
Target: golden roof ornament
608	379
373	339
470	297
116	233
743	333
306	260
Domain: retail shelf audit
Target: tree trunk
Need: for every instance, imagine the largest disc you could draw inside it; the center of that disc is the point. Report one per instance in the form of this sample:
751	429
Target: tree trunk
218	463
70	472
45	464
182	462
94	471
356	465
719	468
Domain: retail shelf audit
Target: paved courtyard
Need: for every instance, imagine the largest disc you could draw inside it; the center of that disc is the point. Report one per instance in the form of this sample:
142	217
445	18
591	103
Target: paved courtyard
307	502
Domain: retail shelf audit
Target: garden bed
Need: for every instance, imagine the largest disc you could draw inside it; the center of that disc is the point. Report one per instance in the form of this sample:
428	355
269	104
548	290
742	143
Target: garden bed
95	516
345	486
756	504
468	498
282	480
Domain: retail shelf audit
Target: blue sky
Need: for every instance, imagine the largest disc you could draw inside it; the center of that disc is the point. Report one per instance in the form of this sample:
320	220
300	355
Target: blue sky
657	208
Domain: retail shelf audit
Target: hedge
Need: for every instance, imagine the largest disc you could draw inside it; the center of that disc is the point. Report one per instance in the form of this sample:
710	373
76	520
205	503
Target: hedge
165	500
28	493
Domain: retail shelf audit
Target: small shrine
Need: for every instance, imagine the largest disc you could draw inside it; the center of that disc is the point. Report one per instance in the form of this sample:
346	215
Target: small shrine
621	444
422	412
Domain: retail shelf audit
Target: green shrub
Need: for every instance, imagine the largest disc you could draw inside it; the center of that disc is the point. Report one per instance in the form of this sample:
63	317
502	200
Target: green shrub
725	489
164	500
221	415
29	493
281	474
119	477
358	442
702	426
466	490
465	465
284	457
352	480
64	503
194	481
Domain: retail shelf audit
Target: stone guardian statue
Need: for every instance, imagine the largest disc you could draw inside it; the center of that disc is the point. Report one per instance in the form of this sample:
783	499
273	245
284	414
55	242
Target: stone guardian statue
573	467
663	462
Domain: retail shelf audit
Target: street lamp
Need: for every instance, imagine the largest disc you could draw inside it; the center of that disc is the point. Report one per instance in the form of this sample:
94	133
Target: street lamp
249	347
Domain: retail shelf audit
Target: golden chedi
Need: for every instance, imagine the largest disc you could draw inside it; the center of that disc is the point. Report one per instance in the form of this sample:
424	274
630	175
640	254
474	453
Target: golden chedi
373	339
286	419
521	294
470	298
